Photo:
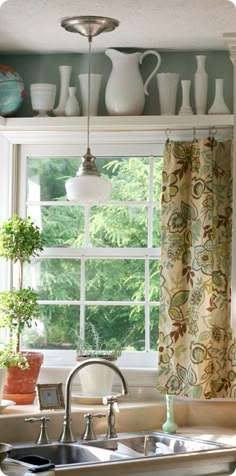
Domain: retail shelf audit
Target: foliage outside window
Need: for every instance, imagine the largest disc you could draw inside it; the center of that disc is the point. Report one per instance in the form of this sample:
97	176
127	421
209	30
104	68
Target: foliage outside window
102	263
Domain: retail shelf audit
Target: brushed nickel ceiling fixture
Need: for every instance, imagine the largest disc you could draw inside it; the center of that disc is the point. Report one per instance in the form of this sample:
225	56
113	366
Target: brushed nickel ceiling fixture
88	186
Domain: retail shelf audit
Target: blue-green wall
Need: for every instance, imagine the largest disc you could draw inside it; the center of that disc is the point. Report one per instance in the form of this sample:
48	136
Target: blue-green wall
44	68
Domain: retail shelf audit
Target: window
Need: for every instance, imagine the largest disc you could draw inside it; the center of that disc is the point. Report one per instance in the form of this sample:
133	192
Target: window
101	264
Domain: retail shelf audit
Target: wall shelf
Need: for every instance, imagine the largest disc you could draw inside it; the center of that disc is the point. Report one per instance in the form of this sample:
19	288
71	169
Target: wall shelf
111	129
116	123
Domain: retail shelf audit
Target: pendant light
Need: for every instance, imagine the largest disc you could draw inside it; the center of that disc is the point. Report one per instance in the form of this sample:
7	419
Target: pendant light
88	186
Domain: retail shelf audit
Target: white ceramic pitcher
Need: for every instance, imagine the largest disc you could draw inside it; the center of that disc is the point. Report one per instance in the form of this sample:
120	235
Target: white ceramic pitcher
125	91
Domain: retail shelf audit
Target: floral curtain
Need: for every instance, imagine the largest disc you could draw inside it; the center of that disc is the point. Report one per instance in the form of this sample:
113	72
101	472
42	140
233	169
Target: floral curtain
197	355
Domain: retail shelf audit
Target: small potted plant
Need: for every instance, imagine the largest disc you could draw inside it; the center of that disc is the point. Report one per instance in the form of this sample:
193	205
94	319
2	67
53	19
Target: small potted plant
96	380
20	240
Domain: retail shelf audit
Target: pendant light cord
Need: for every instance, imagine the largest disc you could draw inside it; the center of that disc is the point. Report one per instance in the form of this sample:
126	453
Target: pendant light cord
89	93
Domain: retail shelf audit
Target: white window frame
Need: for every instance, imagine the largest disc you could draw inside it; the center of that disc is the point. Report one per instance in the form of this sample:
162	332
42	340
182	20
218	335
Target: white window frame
134	359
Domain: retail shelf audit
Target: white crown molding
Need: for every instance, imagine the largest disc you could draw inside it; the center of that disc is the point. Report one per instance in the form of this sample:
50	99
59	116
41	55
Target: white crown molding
230	40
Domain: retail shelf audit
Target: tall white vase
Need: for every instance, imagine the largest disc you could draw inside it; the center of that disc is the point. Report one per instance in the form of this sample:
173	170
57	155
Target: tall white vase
95	84
200	85
167	87
65	75
72	105
185	107
219	106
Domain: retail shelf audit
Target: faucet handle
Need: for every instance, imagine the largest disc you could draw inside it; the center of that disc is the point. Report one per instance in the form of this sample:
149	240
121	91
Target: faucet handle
111	400
88	432
43	437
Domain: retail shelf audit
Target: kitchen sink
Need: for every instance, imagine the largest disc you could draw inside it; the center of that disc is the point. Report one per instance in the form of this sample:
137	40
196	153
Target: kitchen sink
62	454
126	446
155	444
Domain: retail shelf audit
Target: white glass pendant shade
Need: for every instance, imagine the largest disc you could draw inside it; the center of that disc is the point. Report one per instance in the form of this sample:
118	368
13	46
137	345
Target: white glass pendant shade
88	189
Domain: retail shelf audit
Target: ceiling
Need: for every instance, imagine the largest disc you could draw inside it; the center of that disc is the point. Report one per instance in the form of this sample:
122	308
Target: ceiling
33	26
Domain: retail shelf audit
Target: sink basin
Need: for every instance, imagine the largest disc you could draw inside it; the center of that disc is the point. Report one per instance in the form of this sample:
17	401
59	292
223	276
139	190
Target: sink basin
158	444
64	454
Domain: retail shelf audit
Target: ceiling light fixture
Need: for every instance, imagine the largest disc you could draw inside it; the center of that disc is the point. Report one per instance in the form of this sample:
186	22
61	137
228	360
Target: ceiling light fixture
88	186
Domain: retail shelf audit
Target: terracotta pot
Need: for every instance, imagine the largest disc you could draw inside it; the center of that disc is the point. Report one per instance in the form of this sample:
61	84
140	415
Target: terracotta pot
20	384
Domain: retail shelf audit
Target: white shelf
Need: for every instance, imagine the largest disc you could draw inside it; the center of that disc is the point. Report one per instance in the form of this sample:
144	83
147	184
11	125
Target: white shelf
111	129
116	123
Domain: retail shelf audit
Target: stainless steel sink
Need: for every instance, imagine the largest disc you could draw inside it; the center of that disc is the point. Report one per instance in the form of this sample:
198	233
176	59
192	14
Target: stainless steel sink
157	444
126	446
63	454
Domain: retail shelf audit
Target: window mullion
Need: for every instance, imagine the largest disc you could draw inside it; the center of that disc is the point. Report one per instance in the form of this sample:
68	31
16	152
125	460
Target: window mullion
82	298
147	306
150	202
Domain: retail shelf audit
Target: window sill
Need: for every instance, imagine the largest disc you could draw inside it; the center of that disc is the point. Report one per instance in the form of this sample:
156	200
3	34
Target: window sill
141	382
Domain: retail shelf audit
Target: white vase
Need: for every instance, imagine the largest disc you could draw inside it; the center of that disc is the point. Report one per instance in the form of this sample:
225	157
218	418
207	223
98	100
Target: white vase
219	106
200	85
72	105
167	87
95	84
65	75
185	107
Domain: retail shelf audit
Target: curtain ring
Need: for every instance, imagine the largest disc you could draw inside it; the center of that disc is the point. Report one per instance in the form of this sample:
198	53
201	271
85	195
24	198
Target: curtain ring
211	138
213	131
167	133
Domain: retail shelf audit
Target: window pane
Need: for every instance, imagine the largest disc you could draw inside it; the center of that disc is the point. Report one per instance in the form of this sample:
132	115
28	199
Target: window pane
57	328
54	279
154	289
156	227
154	320
47	176
114	227
157	185
118	325
114	280
129	178
61	226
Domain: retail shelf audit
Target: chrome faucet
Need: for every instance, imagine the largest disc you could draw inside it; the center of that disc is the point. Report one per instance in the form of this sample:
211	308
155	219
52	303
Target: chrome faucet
67	434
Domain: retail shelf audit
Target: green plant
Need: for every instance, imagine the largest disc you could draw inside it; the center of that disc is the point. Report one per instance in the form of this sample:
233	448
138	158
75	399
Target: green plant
8	358
94	346
20	240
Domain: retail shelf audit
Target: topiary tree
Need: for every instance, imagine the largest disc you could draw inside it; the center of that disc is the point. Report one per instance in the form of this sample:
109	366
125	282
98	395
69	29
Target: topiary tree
20	240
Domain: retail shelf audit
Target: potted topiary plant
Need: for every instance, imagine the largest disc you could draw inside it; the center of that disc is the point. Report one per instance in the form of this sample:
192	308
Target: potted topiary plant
96	380
20	240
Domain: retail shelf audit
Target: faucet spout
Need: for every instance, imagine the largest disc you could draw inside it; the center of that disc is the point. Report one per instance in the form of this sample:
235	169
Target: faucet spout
67	433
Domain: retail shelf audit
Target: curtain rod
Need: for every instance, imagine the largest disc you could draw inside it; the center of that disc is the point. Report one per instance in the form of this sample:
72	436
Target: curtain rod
211	129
